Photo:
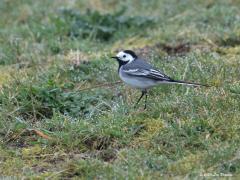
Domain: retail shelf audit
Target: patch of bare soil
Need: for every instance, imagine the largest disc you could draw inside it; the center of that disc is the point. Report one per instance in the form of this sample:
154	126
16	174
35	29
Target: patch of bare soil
177	49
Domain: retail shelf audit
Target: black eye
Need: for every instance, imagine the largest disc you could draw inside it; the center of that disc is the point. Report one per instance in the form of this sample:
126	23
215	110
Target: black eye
124	56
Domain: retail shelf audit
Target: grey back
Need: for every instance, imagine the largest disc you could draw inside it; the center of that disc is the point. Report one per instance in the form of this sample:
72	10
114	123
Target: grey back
138	64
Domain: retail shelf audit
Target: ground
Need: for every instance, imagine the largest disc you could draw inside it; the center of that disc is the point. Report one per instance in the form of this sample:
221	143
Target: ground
64	114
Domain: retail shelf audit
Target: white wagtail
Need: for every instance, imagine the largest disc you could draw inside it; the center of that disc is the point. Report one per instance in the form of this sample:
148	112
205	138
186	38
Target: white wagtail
139	74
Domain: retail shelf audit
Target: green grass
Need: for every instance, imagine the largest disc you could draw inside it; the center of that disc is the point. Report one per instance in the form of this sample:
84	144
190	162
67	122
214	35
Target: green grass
54	125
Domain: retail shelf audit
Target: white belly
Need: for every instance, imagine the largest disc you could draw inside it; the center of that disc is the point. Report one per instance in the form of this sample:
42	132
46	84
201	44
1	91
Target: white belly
139	82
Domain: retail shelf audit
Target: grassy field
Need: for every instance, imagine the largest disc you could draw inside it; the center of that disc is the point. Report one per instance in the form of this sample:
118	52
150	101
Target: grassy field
55	122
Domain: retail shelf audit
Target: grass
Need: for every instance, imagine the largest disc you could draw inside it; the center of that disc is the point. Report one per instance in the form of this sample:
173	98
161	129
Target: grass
53	124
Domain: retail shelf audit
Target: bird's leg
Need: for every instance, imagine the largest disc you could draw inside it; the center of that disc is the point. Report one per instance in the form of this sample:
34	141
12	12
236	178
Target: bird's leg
143	92
145	106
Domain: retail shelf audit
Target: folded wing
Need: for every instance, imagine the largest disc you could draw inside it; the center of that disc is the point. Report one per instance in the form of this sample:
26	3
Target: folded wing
148	73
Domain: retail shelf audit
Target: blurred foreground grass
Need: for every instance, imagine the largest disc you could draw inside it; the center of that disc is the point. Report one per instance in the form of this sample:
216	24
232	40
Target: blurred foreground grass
51	50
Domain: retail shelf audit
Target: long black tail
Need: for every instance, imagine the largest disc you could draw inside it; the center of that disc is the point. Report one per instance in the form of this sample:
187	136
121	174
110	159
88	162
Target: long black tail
187	83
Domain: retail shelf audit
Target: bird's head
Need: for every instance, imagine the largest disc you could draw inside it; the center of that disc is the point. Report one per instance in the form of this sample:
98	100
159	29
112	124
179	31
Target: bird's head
126	56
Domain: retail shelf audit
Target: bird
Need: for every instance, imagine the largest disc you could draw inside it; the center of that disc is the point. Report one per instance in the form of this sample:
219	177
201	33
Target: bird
139	74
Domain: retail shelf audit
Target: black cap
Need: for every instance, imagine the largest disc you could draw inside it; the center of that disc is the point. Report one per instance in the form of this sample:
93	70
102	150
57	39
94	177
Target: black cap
131	53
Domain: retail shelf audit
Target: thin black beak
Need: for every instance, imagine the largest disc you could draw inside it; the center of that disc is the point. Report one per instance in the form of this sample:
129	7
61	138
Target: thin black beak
114	57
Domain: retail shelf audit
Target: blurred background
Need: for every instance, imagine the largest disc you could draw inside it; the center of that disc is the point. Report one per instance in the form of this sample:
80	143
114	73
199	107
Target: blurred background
61	115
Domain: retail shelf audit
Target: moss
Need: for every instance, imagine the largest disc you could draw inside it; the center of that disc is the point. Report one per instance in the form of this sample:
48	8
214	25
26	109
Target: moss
31	151
5	75
187	164
151	127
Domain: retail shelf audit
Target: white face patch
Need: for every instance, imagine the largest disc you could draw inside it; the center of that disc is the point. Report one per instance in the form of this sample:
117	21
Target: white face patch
125	57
